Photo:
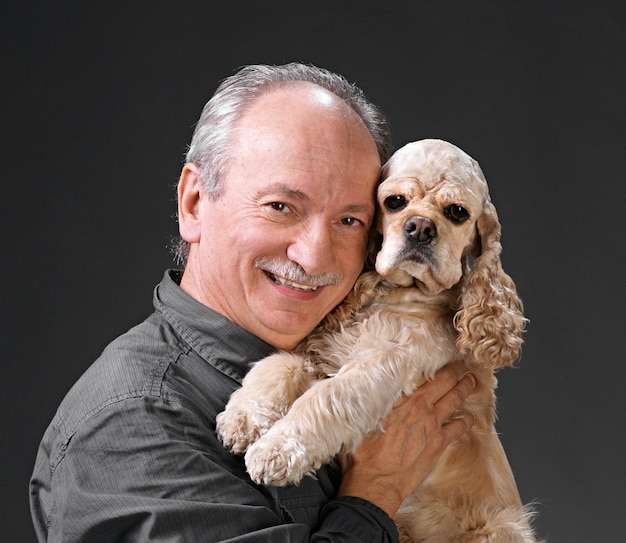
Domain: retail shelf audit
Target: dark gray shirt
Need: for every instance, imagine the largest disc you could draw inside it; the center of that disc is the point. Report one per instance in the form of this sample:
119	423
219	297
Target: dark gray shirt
132	453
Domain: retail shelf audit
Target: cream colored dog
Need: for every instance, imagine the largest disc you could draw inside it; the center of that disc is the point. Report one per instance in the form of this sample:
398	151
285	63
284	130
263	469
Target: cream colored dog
438	294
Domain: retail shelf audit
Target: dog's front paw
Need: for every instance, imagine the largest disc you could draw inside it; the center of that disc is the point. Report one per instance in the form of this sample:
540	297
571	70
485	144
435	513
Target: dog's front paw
240	425
278	460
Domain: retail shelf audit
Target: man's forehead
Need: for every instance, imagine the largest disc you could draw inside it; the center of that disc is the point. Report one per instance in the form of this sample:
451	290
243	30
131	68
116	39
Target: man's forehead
296	107
293	90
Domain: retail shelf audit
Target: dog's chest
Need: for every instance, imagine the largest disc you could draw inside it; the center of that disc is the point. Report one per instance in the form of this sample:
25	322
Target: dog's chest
415	338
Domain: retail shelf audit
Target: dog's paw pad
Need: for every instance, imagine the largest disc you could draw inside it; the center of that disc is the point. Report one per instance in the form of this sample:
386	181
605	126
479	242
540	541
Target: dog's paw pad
237	429
277	462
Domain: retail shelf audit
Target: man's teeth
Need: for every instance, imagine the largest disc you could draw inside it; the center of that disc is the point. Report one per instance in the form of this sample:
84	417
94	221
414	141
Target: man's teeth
291	284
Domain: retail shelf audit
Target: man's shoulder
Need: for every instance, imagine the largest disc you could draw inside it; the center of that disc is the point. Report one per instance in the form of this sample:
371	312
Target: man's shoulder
131	366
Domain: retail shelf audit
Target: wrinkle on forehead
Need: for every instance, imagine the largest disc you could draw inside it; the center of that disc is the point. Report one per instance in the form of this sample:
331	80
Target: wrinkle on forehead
446	183
436	165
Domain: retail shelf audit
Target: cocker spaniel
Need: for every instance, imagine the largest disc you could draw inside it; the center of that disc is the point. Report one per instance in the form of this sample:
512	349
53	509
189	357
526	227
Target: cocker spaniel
438	294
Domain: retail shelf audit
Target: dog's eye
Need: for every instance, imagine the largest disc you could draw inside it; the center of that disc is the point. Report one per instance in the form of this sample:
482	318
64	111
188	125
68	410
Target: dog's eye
395	203
456	213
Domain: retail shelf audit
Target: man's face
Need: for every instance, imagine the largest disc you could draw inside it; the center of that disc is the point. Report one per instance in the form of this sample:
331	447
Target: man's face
286	240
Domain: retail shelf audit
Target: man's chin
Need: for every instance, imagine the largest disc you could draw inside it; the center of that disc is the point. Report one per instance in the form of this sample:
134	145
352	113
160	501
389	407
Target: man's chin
285	329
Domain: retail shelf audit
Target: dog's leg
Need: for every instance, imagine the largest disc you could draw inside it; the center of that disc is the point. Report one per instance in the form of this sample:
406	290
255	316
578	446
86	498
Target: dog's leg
268	391
334	415
380	359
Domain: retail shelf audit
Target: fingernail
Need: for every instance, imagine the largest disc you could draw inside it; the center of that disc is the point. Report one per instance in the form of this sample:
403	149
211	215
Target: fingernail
471	376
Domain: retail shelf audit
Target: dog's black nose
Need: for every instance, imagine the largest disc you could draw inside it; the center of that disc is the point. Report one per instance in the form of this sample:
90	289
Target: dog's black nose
420	230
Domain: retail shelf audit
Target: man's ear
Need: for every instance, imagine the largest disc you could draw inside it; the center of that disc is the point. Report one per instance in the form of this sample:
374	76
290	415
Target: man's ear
189	195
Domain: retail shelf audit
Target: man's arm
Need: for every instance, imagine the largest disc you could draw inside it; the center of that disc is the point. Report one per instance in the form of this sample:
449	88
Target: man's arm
147	469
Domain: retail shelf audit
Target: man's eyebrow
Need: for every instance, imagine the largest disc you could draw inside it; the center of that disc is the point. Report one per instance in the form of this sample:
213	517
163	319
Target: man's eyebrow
359	208
281	188
287	191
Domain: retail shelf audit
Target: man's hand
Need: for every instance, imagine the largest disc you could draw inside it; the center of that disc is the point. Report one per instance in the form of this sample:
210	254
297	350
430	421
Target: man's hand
388	466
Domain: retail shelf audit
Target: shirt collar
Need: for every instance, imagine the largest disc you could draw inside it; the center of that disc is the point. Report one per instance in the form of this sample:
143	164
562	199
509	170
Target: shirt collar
218	340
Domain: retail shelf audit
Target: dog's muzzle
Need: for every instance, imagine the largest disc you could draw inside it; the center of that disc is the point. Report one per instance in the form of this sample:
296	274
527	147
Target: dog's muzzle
420	230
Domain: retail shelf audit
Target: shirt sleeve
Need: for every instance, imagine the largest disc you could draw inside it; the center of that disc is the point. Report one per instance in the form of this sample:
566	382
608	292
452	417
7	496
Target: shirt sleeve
149	469
349	519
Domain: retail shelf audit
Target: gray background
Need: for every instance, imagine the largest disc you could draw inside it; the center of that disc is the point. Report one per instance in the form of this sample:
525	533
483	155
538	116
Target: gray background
98	104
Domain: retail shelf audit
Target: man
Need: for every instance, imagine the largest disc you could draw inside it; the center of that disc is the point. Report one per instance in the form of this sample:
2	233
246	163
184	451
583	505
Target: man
275	204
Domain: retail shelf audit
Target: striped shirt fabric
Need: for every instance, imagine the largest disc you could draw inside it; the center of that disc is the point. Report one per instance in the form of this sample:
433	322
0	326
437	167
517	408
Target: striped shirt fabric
132	453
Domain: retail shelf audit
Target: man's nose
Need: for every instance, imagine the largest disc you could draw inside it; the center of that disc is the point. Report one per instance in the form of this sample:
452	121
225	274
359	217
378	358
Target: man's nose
312	248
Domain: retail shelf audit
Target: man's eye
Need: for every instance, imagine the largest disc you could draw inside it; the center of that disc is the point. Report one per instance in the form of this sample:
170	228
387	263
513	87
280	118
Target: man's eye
456	213
350	221
279	206
395	203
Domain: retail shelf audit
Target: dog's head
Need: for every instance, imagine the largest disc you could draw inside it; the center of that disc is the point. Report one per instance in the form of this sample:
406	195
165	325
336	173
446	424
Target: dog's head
435	217
430	200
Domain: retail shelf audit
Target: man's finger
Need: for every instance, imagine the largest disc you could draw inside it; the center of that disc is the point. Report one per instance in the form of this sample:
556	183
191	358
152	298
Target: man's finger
458	426
453	400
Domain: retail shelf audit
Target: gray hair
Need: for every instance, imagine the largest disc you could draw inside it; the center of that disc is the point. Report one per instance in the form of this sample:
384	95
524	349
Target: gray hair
210	144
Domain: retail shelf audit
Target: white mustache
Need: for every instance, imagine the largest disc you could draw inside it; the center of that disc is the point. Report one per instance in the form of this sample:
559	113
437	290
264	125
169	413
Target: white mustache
292	271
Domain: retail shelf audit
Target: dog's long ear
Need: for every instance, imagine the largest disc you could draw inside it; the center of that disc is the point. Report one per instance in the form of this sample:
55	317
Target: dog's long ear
490	320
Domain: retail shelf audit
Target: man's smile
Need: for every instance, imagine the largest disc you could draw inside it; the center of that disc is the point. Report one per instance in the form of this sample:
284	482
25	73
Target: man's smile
291	284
